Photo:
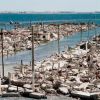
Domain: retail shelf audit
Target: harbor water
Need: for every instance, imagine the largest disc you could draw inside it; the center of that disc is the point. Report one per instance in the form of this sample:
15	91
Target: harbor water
49	98
50	48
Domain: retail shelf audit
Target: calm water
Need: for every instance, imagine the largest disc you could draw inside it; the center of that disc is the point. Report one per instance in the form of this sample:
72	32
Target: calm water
24	19
46	17
49	98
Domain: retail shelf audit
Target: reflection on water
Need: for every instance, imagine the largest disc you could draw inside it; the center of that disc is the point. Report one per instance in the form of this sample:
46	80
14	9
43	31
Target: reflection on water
60	97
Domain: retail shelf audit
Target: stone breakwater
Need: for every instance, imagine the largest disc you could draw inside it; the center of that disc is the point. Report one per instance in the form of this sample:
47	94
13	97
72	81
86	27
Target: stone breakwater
20	39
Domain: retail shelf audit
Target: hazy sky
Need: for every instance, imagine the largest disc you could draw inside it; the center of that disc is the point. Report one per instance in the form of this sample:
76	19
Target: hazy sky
50	5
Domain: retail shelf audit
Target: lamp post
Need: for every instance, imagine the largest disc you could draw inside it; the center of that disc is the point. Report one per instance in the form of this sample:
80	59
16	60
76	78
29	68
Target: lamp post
1	33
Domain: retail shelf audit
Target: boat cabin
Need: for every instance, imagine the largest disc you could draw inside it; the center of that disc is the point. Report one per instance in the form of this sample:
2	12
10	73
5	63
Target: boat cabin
84	46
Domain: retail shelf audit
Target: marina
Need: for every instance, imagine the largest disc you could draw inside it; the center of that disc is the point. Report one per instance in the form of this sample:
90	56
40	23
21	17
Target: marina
69	77
49	47
65	67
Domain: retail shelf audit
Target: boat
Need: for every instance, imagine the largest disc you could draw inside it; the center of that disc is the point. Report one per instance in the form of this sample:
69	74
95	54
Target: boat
25	94
10	94
84	95
34	95
18	83
63	90
37	95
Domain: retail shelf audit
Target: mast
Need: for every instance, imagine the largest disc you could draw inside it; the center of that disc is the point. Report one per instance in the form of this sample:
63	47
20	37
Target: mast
0	83
81	32
30	23
95	25
33	69
88	31
58	46
43	26
1	33
58	40
95	31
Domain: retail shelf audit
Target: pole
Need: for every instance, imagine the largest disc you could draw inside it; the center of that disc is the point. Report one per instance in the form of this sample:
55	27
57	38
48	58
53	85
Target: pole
9	76
30	23
95	25
33	70
95	31
5	26
2	53
58	41
88	31
21	67
58	47
43	26
0	83
81	33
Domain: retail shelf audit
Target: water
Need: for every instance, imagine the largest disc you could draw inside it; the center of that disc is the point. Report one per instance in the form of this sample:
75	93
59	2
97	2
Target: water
24	19
46	17
49	98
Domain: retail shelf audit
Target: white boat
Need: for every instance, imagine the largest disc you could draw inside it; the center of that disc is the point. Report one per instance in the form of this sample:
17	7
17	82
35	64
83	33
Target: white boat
63	90
37	95
85	95
34	95
10	94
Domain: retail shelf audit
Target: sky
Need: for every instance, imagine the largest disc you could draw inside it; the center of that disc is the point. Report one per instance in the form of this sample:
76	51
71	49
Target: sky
50	5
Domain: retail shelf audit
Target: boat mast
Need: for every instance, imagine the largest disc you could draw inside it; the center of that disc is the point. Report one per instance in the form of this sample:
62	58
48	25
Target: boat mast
58	26
1	33
58	40
88	31
81	31
33	69
43	27
95	24
30	23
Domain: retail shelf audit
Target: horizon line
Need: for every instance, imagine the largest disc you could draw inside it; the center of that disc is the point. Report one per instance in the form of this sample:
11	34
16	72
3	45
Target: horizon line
52	11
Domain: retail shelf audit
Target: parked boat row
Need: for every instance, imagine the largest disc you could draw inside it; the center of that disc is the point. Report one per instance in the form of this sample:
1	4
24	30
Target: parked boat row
20	39
75	72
